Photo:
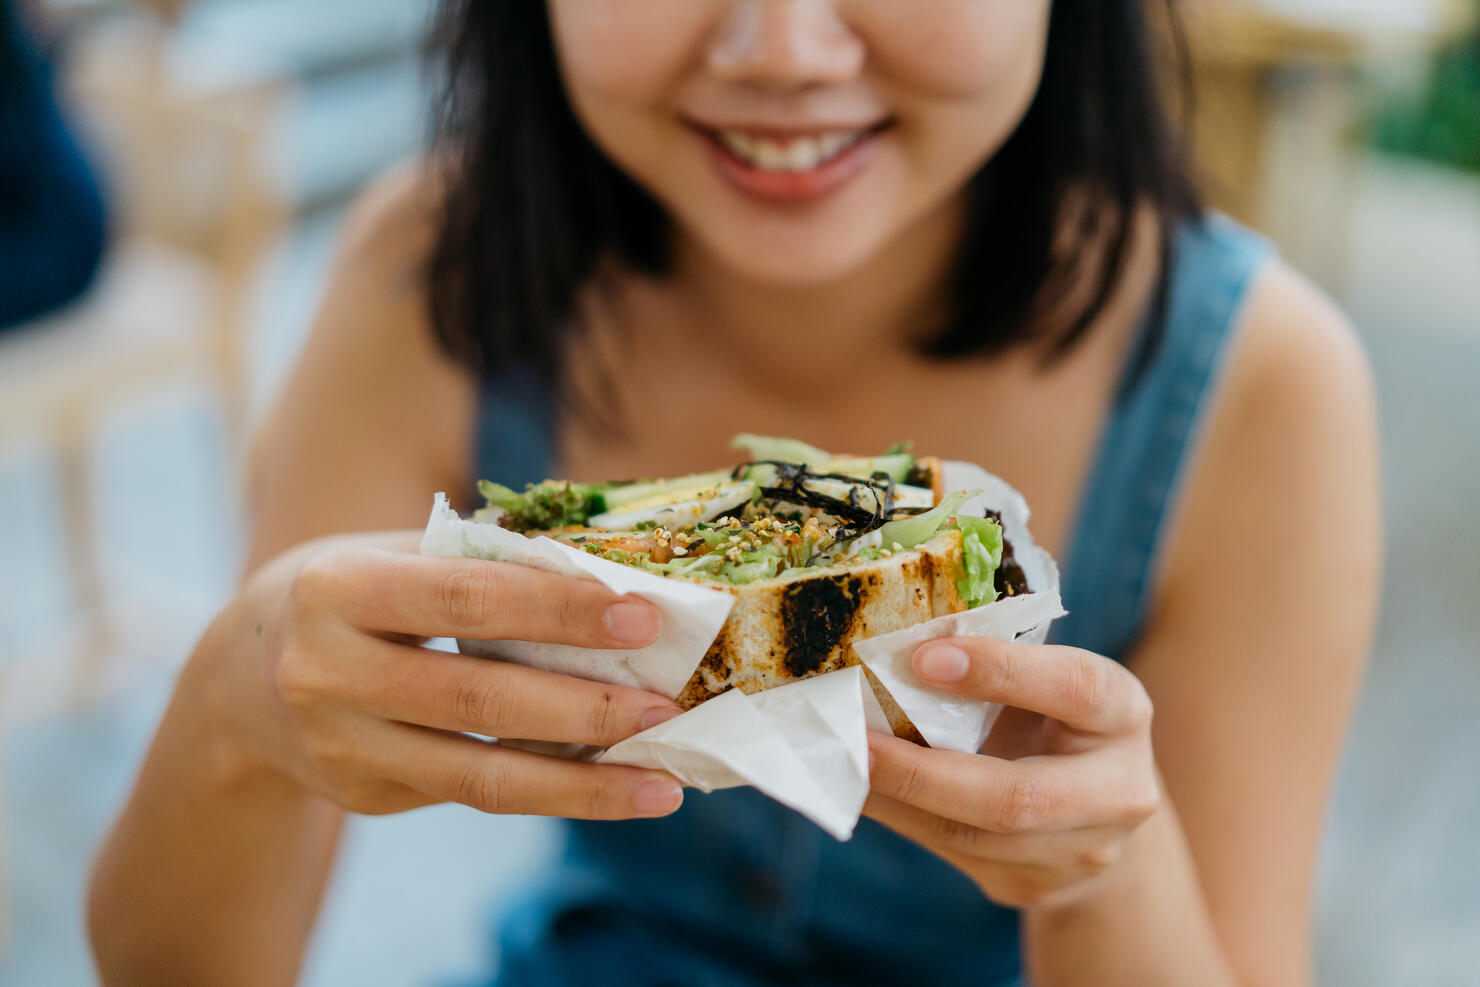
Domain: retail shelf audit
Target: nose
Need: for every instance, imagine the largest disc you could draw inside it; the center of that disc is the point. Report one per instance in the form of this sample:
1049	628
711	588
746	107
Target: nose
785	45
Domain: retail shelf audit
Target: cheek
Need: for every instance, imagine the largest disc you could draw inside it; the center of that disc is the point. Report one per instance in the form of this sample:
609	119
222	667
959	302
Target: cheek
625	53
964	50
966	75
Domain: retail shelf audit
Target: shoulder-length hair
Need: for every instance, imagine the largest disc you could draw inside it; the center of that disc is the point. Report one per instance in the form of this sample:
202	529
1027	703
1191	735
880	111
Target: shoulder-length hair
530	205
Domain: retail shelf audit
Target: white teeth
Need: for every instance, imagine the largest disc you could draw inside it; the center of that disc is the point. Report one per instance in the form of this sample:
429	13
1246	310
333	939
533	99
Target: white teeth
740	143
798	154
770	155
834	142
805	154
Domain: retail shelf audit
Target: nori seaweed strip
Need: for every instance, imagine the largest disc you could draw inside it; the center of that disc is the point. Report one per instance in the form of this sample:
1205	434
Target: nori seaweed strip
860	518
1010	579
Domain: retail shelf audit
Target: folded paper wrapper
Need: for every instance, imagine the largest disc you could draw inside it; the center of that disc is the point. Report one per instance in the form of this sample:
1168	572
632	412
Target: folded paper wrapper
805	744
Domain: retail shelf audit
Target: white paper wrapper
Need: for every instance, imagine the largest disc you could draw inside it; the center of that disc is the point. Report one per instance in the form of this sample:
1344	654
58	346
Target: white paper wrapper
804	744
945	720
692	614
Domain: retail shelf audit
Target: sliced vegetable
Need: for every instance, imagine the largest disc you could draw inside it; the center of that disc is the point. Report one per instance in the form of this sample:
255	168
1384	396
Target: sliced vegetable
678	508
552	504
981	554
922	498
628	494
779	449
896	466
911	531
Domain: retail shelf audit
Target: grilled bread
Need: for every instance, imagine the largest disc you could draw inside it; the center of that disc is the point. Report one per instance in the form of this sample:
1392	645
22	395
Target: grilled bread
804	622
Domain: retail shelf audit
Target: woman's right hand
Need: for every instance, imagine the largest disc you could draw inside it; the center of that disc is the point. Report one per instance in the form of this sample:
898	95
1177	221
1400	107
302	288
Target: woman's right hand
315	673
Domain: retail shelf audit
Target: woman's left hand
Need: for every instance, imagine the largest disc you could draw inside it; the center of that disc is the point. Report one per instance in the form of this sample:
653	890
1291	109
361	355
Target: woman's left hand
1065	779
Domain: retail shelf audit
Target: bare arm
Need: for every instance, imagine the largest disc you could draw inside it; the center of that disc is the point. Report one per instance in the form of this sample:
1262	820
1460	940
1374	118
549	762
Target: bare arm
356	441
308	696
1253	660
1187	860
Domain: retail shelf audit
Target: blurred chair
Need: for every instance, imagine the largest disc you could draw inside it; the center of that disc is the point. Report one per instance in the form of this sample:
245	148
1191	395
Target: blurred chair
196	211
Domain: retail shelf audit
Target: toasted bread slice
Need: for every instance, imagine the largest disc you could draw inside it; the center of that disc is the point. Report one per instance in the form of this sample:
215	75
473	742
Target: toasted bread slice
804	622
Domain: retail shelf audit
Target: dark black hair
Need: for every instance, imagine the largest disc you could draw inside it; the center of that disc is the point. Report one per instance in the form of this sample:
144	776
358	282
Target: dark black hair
530	204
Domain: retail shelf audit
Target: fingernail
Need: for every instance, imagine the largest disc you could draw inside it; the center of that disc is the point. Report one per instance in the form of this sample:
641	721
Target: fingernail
941	663
631	621
658	797
658	714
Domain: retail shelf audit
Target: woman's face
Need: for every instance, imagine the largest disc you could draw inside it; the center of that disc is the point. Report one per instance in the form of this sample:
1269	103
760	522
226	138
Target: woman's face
795	139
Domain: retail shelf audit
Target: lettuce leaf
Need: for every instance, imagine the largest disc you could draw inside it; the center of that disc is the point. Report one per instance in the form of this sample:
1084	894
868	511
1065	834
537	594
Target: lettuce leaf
779	449
981	554
908	532
552	504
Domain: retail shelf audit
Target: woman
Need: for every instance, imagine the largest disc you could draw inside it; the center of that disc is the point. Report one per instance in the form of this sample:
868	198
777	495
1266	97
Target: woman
652	222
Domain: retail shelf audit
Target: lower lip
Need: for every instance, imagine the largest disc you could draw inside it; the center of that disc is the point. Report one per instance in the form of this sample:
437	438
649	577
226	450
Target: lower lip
791	186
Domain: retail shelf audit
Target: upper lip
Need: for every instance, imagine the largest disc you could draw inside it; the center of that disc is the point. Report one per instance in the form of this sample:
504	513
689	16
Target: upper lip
784	131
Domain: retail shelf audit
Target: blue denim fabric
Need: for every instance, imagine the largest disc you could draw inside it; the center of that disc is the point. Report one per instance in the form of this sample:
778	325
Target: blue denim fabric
735	890
1133	485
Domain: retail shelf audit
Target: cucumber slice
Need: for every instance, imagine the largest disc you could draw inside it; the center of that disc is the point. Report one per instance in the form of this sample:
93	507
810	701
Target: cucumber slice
678	511
645	490
896	466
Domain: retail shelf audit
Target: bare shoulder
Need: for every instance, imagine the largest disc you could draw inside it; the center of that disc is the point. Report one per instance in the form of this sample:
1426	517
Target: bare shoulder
1288	464
1298	352
390	227
375	416
1263	617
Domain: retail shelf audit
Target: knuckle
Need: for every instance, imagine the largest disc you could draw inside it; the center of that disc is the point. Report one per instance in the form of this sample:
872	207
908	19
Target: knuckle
601	800
1021	892
312	581
294	678
1024	805
479	703
482	787
360	797
909	781
608	716
1002	671
1089	684
328	752
1098	857
1140	709
1144	800
571	610
956	835
467	594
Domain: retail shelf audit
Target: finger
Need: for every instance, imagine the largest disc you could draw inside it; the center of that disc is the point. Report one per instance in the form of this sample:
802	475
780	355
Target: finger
433	596
493	778
1083	690
493	698
1084	851
1012	883
1029	795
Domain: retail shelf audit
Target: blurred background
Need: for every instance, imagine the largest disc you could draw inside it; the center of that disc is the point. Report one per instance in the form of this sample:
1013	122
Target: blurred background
222	141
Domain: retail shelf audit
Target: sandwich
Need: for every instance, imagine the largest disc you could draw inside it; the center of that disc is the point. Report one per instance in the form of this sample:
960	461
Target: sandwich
819	551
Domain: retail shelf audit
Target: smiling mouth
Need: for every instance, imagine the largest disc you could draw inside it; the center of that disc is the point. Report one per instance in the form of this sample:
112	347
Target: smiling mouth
794	152
789	165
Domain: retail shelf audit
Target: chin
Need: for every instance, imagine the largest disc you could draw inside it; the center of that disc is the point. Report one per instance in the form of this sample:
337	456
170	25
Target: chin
797	255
